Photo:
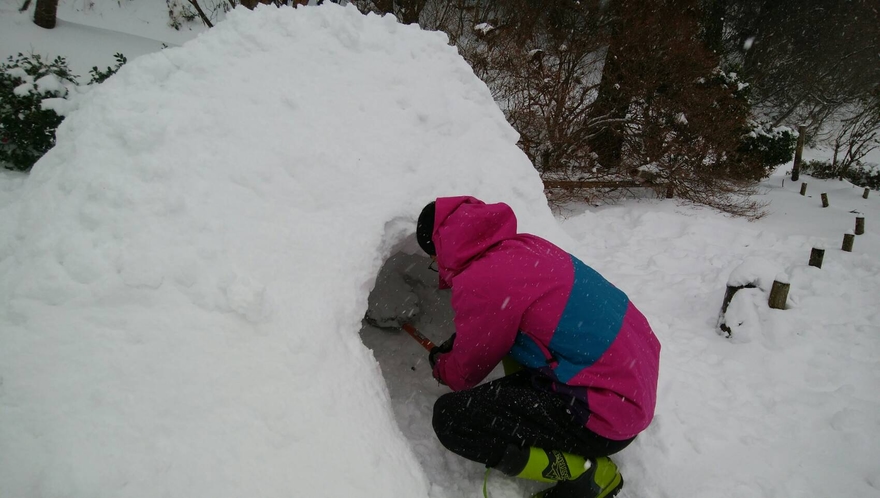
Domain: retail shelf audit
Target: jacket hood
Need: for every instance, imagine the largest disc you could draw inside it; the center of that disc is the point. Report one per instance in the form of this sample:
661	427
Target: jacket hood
465	228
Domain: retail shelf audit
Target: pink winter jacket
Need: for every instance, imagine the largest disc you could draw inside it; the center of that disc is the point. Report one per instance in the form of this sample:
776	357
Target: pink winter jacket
520	295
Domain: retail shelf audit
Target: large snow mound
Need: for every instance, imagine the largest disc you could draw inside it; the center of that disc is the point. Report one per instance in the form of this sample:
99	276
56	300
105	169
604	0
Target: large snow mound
183	278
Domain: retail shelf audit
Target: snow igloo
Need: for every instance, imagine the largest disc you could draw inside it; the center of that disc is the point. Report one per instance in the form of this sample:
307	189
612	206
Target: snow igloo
185	277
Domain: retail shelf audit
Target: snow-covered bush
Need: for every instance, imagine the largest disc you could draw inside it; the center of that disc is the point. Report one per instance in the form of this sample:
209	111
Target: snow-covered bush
863	175
27	130
30	90
818	169
761	146
772	146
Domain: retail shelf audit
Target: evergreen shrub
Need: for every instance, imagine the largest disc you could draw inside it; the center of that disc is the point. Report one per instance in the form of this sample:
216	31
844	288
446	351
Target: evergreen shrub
27	124
770	146
27	130
861	174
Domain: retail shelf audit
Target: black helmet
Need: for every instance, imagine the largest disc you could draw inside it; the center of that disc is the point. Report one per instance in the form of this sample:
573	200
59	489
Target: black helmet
425	229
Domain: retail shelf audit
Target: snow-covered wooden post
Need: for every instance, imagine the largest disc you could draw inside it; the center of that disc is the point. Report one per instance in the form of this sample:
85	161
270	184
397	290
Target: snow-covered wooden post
865	195
728	296
825	200
848	239
752	273
860	225
817	255
779	292
804	188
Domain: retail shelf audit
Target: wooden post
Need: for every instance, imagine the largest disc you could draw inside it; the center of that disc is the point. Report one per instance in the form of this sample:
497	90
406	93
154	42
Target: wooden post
865	195
45	13
779	294
728	296
860	225
825	200
817	255
804	188
798	153
848	240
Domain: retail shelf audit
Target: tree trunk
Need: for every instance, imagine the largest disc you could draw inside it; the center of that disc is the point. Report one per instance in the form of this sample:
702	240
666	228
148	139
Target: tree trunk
45	13
834	159
714	25
798	153
409	11
611	103
384	6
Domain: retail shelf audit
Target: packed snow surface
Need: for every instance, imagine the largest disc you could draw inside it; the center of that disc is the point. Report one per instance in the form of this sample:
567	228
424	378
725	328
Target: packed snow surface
182	281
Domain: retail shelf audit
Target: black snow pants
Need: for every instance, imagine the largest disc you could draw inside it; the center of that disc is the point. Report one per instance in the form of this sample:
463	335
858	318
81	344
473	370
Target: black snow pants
481	422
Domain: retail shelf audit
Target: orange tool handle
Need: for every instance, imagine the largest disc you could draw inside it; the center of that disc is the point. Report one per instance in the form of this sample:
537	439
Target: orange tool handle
424	341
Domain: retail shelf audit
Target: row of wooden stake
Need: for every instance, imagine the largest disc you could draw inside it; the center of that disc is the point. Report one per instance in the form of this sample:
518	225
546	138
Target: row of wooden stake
779	291
825	203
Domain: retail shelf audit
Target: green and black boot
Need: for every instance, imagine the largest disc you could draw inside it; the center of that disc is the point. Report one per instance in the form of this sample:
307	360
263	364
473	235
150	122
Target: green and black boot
575	476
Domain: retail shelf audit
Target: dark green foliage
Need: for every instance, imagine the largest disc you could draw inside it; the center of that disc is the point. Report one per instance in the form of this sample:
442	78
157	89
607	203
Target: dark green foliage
818	169
99	76
27	131
863	175
769	146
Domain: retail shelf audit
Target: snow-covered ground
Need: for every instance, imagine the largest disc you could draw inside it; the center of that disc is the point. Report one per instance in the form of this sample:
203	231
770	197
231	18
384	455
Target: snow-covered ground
90	32
182	280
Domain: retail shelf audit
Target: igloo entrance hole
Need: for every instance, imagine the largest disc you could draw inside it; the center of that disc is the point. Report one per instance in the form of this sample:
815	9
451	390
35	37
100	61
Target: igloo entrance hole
406	290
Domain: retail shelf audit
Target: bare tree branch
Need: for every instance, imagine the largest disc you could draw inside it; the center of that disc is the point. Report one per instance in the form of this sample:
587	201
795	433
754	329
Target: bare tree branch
201	12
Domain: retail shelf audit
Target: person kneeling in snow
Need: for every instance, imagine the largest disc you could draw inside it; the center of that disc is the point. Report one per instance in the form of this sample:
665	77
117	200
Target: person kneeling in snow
581	360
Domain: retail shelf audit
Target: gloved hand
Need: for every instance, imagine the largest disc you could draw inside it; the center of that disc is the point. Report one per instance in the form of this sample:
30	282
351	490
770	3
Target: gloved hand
436	351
